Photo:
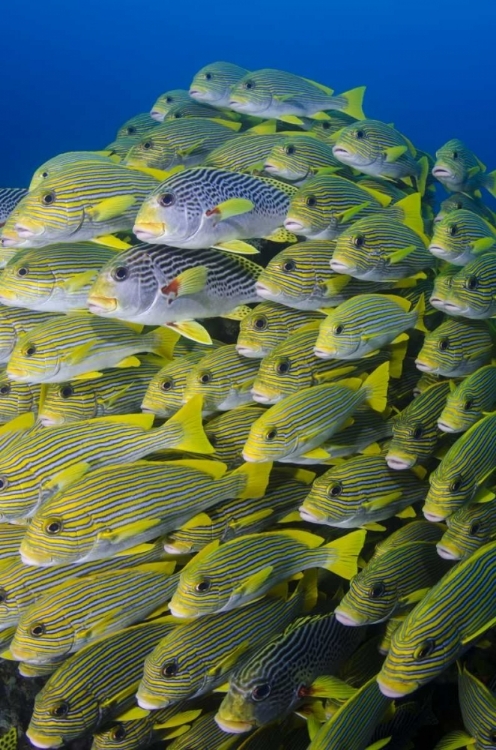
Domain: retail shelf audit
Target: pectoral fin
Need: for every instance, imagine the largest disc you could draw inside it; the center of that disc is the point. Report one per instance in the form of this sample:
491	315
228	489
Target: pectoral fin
230	208
191	281
109	208
394	152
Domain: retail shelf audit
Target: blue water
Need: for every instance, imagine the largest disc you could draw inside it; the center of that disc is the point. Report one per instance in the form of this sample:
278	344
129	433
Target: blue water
74	71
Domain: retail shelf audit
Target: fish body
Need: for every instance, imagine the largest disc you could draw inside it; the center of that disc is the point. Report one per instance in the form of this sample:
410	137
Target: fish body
462	471
441	626
109	525
462	236
115	392
470	527
79	611
17	398
165	390
469	400
214	581
213	83
360	492
277	677
157	285
10	540
228	432
9	198
478	709
196	110
277	93
415	429
458	201
413	531
56	278
94	685
460	171
298	159
53	165
455	348
82	201
390	582
121	146
324	130
243	153
166	101
136	126
53	459
306	419
15	322
471	292
65	348
268	325
201	207
133	734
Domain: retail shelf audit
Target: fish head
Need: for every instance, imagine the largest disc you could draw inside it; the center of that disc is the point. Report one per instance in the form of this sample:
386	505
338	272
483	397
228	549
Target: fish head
372	597
362	143
43	634
199	593
294	275
457	347
20	491
62	714
470	527
413	439
62	403
453	160
57	536
125	288
27	282
213	83
259	331
164	395
270	439
339	338
450	488
34	358
472	289
173	213
311	211
280	375
13	594
252	95
172	673
43	217
442	291
15	398
151	151
166	101
136	126
464	406
456	236
335	497
291	160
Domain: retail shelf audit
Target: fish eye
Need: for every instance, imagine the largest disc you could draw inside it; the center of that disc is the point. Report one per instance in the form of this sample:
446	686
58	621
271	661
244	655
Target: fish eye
208	76
425	649
360	134
131	130
169	99
118	733
177	116
147	145
170	669
166	200
260	323
37	629
167	385
289	150
492	738
335	489
467	405
3	596
472	283
53	526
249	85
338	329
4	390
454	155
458	205
417	432
44	174
204	378
120	273
271	434
456	485
260	692
3	483
213	440
311	201
48	198
326	125
203	586
66	391
283	367
60	709
443	345
377	590
30	350
453	229
358	240
22	271
290	265
474	529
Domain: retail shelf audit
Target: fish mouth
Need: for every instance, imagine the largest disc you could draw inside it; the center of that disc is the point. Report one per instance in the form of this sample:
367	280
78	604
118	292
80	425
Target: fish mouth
149	231
395	462
25	232
262	290
33	559
177	610
98	304
423	366
49	421
455	308
339	267
156	115
391	691
345	619
233	104
445	427
9	241
149	703
307	515
8	296
176	549
294	226
340	151
441	172
268	167
14	373
438	251
434	517
38	740
323	354
252	459
233	727
262	398
437	302
245	351
446	553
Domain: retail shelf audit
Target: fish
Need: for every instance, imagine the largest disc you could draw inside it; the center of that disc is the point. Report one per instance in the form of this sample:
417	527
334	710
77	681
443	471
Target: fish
223	378
94	685
325	129
52	166
196	110
469	528
233	518
202	207
459	170
165	390
468	401
228	431
166	100
79	611
462	236
304	420
415	428
268	325
365	324
157	285
280	674
112	524
15	430
379	150
10	540
9	198
15	322
185	142
79	346
390	583
377	248
132	734
17	398
56	278
215	581
86	200
203	734
121	146
213	83
299	159
279	94
173	672
459	478
457	201
442	625
478	710
22	585
113	393
244	153
361	492
300	278
53	459
456	348
136	126
413	531
471	291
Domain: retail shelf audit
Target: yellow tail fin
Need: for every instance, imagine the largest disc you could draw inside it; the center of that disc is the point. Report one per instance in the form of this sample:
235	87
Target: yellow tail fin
376	386
343	554
420	310
408	211
163	341
186	429
255	477
354	102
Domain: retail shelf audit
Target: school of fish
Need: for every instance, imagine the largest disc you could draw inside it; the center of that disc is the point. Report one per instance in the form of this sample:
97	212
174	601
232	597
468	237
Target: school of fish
248	430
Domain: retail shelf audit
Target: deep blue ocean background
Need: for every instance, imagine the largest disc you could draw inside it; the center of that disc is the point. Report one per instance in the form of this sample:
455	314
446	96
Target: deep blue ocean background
73	71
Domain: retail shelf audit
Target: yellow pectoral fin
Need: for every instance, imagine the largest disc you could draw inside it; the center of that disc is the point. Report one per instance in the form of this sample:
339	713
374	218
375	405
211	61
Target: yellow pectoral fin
382	502
345	216
80	280
236	246
231	207
401	254
128	531
128	362
109	208
331	687
394	152
190	329
191	281
110	241
253	583
80	353
68	476
229	661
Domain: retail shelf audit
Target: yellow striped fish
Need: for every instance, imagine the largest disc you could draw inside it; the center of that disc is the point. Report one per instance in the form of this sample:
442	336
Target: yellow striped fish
456	348
471	291
165	390
62	532
243	153
267	325
15	323
299	159
166	100
229	430
132	734
461	236
213	83
17	398
467	402
468	529
64	348
52	166
413	531
136	126
203	734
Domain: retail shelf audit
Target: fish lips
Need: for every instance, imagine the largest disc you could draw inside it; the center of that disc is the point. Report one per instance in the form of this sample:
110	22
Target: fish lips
148	232
156	115
307	515
294	226
339	267
101	305
423	366
438	251
263	291
393	691
346	619
399	462
263	398
446	553
434	517
233	727
38	740
446	427
149	703
442	172
324	353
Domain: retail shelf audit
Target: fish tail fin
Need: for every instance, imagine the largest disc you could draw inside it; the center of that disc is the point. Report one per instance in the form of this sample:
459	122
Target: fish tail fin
398	354
420	310
254	479
423	173
163	341
186	429
307	591
376	386
490	182
342	554
409	211
354	102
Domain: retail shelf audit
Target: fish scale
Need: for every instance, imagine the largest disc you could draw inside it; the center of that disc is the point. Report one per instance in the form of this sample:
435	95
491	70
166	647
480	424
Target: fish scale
9	198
